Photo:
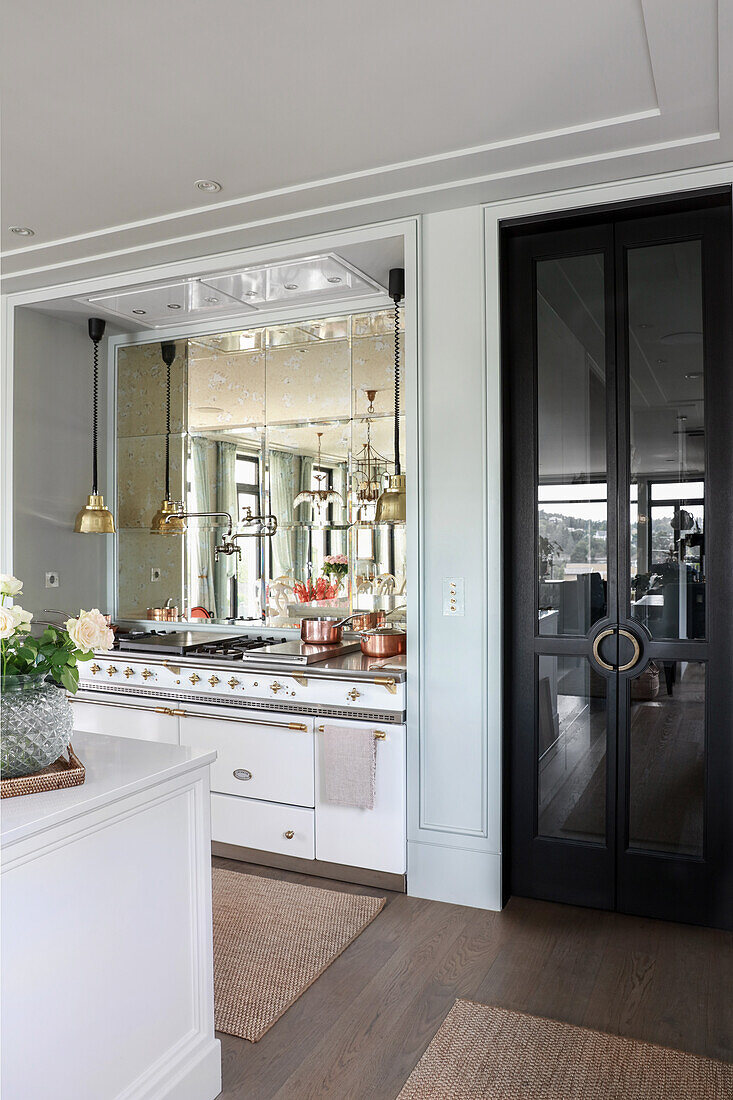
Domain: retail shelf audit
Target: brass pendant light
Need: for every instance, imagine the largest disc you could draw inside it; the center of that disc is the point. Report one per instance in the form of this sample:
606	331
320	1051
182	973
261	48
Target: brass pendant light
94	518
161	525
392	504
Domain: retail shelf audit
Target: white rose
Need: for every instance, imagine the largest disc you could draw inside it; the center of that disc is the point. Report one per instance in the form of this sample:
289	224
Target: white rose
10	586
22	618
8	625
90	631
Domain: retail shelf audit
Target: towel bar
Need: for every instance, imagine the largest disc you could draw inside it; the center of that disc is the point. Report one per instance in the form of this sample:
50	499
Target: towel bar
379	735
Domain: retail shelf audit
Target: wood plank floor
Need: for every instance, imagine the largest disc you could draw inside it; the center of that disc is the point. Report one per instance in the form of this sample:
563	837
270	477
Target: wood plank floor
359	1030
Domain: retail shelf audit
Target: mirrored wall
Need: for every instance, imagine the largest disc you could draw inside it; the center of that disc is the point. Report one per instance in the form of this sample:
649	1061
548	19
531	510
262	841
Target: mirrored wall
293	421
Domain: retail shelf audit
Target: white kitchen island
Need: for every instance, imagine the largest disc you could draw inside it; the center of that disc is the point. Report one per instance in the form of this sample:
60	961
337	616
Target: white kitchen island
107	987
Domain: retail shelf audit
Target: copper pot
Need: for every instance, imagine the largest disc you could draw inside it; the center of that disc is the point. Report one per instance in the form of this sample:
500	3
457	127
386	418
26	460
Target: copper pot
384	641
323	631
163	614
367	620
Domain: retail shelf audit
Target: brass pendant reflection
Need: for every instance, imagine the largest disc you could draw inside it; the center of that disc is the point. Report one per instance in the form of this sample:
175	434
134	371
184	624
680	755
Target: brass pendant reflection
168	519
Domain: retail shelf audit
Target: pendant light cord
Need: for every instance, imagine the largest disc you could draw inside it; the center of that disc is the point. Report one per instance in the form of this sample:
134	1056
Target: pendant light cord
168	433
95	403
397	467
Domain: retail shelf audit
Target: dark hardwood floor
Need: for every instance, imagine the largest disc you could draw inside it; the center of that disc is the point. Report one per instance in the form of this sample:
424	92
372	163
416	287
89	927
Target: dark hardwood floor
361	1027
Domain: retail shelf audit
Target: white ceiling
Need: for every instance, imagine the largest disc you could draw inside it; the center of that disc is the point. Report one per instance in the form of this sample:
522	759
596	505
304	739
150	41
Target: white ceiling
111	111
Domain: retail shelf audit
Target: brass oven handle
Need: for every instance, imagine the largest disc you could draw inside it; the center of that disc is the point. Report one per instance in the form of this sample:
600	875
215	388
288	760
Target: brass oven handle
596	643
637	650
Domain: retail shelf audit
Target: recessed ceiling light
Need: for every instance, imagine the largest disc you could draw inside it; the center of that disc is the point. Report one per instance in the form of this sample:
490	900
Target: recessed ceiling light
334	279
213	301
173	305
661	360
140	312
693	375
22	230
207	185
291	286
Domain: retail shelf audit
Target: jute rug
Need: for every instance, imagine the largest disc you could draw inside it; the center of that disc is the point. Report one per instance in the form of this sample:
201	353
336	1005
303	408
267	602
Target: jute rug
272	939
485	1053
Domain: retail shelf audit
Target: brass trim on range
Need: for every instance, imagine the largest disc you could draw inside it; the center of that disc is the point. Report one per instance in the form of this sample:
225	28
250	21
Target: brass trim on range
637	650
302	680
596	643
387	682
175	669
177	712
379	735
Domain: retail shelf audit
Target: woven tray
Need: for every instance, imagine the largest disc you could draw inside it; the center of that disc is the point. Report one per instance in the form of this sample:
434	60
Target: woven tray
64	773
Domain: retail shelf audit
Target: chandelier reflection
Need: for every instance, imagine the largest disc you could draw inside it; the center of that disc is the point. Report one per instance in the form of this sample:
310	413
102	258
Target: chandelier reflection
322	496
370	469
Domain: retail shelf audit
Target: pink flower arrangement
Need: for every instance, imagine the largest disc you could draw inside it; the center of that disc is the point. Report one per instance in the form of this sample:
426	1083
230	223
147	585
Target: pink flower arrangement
335	565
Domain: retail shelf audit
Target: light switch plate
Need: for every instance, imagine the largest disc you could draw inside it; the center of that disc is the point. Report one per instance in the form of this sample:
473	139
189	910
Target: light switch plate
52	579
155	573
454	601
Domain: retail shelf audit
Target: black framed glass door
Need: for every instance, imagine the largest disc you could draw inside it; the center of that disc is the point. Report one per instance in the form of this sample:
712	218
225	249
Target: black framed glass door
619	559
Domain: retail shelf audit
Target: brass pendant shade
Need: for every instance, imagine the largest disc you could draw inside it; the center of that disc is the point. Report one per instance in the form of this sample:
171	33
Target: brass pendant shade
94	518
392	504
161	525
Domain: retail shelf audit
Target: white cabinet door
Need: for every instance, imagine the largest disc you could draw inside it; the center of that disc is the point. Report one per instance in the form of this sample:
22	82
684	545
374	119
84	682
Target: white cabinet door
266	826
260	757
144	723
366	838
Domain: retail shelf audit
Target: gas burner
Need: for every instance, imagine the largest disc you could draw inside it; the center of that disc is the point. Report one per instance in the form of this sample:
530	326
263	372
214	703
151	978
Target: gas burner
189	643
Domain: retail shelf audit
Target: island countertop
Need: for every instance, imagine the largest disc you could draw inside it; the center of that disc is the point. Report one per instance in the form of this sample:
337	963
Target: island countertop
115	768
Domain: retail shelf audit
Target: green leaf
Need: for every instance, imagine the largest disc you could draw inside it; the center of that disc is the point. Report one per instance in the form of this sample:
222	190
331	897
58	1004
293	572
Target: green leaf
68	679
84	655
27	653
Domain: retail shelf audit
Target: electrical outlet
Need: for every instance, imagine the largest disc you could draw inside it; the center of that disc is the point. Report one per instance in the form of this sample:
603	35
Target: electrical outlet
52	580
155	574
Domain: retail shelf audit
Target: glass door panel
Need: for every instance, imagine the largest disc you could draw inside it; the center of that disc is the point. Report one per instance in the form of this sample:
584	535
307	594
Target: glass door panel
667	758
667	438
571	745
572	504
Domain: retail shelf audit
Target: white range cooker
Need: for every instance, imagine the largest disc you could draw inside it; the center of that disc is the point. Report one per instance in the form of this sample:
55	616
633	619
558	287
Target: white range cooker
262	704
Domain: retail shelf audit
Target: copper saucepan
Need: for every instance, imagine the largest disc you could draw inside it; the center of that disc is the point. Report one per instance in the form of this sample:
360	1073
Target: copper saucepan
324	630
384	641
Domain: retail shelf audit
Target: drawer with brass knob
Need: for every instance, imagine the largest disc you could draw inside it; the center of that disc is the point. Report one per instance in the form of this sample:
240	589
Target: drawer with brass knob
267	826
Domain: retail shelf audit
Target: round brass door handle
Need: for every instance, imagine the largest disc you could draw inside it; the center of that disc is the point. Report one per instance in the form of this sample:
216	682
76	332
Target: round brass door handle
288	834
637	650
596	644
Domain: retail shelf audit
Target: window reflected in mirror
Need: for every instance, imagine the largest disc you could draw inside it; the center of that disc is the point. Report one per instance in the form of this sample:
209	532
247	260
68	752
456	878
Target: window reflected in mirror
261	419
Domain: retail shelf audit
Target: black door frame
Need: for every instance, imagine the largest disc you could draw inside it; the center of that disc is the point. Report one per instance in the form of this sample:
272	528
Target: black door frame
592	864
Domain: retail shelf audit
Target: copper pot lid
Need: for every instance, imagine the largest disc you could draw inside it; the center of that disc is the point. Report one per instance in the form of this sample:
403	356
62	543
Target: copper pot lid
385	630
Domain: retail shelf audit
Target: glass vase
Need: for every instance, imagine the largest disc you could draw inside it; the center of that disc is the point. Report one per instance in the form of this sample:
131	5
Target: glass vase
36	722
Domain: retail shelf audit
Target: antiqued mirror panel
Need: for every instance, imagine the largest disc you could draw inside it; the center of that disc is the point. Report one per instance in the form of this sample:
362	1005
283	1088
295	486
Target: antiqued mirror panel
294	422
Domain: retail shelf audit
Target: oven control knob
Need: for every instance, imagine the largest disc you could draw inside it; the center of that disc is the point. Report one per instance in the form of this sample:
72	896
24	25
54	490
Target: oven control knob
275	687
353	695
111	670
129	672
146	674
213	680
94	669
232	683
194	679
